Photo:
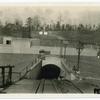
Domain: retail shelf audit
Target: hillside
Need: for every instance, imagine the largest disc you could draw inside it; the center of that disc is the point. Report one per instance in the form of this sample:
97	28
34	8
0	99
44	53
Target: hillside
93	37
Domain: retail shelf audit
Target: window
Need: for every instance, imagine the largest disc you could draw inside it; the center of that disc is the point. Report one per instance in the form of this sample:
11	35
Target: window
8	42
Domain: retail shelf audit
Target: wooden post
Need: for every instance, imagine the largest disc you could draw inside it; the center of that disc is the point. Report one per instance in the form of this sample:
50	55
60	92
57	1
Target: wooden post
78	64
65	43
80	47
10	74
65	52
61	49
3	76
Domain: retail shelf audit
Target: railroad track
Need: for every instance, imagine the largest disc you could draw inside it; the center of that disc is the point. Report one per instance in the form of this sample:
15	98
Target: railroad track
56	86
72	87
47	86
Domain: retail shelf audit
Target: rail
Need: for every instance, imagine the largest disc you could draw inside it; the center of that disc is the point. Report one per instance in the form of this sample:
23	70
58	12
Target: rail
42	86
75	86
56	86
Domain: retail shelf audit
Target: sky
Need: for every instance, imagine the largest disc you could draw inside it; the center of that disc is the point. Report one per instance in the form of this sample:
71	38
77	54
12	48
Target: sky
71	14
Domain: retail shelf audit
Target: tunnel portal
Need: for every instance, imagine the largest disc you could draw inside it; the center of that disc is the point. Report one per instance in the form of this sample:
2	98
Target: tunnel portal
50	71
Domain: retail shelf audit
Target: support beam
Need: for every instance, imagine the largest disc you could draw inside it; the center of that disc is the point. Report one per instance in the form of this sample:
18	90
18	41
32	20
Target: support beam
61	49
3	68
3	76
10	75
64	51
78	63
80	47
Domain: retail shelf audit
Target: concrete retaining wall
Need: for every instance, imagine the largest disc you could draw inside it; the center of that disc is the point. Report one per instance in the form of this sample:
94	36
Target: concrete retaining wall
68	73
24	48
34	72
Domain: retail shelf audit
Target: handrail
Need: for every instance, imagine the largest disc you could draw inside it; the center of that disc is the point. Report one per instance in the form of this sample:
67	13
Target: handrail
34	66
23	71
19	75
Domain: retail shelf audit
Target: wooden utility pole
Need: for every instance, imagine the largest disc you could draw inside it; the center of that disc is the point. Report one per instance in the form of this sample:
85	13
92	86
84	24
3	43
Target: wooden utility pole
65	43
64	51
78	63
80	46
61	48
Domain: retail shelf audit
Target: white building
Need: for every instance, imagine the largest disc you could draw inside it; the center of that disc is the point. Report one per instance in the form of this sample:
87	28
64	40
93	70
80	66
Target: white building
17	45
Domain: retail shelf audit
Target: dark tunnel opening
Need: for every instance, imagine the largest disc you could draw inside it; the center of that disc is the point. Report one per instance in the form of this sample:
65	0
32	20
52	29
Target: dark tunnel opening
50	71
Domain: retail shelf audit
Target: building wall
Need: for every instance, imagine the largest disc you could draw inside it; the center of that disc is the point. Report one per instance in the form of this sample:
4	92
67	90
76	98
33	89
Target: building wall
6	38
20	46
6	48
24	46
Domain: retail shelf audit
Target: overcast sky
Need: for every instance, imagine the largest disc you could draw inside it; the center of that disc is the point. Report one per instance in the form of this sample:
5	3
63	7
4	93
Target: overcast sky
50	14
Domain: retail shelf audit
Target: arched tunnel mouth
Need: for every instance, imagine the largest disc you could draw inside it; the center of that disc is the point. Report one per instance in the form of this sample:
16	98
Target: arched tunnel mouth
50	71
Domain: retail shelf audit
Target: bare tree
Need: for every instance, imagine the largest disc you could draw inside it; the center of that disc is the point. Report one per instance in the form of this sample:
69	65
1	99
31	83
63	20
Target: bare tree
29	26
36	22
